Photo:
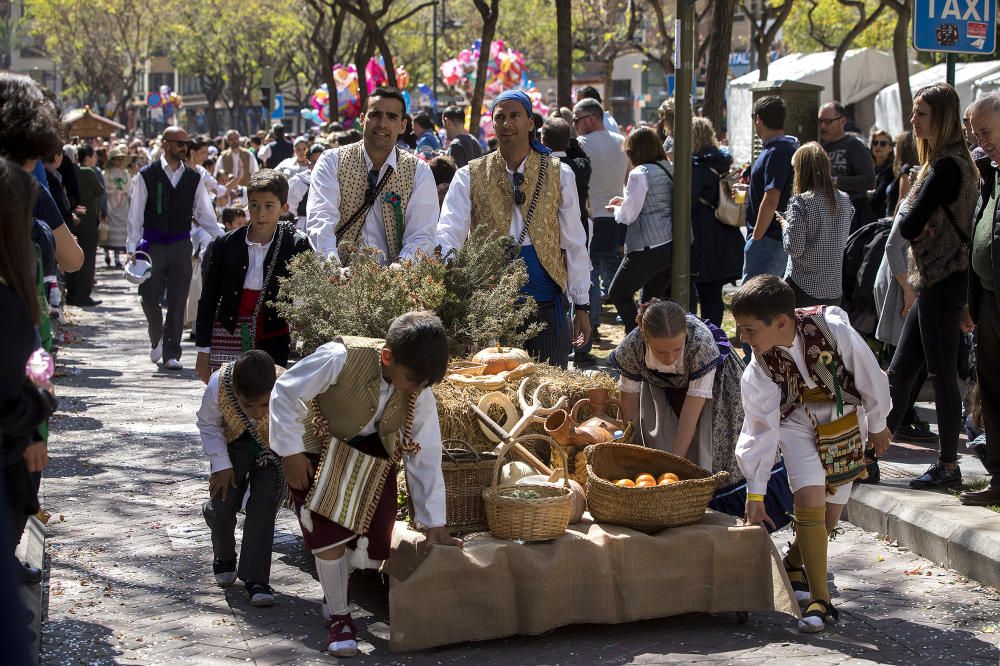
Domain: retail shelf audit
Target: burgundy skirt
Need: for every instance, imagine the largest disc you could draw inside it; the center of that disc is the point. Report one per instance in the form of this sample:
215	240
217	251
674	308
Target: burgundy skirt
327	533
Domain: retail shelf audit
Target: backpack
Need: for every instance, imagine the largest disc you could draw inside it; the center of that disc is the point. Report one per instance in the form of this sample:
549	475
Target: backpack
862	258
728	211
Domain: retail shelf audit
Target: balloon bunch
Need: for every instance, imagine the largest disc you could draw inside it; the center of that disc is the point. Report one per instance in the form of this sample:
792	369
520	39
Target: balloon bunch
506	70
345	78
165	99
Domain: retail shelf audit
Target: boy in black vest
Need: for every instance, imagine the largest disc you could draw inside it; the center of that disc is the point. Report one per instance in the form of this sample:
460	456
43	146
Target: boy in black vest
811	374
343	419
233	424
166	195
244	268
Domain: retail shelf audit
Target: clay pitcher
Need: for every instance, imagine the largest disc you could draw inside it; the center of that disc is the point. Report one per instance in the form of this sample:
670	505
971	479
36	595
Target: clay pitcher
600	400
600	428
563	429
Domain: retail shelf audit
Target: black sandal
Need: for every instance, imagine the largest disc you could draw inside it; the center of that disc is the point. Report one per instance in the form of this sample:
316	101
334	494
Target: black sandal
824	610
800	583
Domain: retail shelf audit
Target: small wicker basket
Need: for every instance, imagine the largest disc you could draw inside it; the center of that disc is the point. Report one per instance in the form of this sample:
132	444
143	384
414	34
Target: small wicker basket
528	519
466	474
646	509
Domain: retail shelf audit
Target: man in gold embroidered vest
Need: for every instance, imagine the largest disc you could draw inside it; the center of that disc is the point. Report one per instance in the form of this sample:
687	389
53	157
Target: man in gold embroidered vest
343	418
520	190
372	193
236	161
810	370
234	433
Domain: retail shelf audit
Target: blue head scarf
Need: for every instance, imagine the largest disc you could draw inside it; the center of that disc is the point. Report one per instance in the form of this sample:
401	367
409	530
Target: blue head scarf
525	101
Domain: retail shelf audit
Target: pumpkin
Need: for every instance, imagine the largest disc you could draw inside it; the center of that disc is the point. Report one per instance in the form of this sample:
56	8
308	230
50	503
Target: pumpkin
579	497
513	472
499	359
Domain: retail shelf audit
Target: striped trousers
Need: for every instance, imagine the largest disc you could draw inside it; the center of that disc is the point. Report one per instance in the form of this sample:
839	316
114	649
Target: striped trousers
266	485
552	346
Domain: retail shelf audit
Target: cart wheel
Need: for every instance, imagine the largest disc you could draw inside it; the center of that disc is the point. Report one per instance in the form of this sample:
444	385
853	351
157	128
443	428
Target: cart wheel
742	617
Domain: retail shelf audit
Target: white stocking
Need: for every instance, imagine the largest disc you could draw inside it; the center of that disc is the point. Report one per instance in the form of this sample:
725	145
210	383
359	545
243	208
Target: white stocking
333	576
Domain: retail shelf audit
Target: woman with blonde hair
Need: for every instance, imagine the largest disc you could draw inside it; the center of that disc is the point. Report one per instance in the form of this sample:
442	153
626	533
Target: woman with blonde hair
815	228
717	252
936	217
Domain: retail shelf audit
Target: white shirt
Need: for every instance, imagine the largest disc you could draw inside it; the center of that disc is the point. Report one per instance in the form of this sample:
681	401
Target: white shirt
323	210
213	438
290	166
210	183
238	164
456	220
257	252
758	442
298	185
636	189
698	388
318	372
204	212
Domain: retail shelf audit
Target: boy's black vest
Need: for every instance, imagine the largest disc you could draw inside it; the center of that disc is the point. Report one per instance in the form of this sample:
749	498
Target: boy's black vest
169	209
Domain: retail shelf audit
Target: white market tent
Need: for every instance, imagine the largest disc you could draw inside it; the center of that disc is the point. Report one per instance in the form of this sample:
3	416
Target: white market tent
887	110
986	85
864	72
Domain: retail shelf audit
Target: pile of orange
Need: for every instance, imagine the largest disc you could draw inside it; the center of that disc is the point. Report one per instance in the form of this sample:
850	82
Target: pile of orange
647	480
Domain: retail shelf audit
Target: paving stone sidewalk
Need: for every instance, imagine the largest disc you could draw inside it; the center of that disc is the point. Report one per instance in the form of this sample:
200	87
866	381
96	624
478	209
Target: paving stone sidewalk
129	577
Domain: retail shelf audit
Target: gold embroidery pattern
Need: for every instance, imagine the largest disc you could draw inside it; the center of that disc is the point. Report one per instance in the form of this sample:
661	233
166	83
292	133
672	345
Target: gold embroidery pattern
492	200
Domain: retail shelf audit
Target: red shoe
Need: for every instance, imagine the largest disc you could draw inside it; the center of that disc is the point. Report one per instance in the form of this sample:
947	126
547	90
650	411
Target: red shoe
342	639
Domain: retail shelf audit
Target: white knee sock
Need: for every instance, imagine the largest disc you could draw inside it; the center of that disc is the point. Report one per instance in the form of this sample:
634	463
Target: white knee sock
333	576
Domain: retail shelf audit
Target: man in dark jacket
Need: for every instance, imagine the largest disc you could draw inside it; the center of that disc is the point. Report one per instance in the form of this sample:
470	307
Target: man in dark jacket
280	149
984	281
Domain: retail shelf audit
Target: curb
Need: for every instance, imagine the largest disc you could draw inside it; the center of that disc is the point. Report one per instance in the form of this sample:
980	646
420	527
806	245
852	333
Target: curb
32	550
934	525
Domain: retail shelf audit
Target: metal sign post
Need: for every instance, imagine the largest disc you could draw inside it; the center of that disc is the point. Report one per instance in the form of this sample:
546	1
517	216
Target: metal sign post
955	26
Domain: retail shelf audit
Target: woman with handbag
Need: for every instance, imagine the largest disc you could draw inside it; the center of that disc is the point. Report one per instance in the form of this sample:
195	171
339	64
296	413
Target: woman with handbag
717	253
936	217
647	210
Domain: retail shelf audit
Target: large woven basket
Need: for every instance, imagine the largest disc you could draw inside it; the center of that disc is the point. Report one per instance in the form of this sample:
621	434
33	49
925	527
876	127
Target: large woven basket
466	474
646	509
576	458
528	519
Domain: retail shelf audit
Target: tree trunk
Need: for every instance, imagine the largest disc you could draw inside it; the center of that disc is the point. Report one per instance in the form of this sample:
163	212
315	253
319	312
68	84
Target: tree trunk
361	55
900	40
609	83
564	53
489	15
718	62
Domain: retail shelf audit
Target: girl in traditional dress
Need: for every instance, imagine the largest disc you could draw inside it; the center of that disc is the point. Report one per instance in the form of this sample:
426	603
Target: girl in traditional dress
680	386
118	182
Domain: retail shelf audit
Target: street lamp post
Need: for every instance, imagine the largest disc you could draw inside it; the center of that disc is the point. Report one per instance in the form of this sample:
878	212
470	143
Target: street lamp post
680	271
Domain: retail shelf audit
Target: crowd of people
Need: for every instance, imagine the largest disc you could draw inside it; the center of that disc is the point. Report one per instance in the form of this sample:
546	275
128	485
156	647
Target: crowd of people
207	229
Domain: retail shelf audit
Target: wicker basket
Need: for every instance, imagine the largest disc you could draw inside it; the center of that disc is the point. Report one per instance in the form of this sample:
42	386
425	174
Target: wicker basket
466	474
576	458
646	509
528	519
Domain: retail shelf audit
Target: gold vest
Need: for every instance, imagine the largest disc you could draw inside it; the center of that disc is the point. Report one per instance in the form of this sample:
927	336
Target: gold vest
228	165
350	404
352	178
492	197
232	425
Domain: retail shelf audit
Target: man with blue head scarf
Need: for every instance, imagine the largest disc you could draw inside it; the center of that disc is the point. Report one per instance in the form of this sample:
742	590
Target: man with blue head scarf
521	191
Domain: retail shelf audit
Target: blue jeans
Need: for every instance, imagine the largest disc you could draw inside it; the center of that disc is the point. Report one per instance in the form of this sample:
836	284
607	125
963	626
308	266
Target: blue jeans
603	268
766	256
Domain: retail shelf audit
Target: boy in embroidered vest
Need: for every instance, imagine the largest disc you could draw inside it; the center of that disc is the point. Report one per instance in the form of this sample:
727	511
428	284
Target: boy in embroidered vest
372	193
520	190
233	425
241	278
809	368
343	418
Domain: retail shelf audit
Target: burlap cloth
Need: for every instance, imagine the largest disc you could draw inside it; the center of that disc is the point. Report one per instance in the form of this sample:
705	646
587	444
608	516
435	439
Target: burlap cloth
598	574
